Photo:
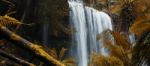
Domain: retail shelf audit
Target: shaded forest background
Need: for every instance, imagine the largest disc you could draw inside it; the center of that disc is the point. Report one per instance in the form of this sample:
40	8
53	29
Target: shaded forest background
40	13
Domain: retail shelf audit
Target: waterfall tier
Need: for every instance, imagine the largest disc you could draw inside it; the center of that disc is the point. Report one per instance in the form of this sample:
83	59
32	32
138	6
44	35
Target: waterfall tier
88	23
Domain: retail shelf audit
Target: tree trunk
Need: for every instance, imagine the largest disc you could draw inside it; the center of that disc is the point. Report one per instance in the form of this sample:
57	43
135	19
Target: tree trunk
36	49
16	59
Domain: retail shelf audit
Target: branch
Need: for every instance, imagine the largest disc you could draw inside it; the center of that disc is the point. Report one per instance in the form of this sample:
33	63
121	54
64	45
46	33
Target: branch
36	49
14	58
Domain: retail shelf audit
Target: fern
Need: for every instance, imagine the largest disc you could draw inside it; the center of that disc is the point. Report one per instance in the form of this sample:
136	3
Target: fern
8	21
69	62
120	40
142	49
62	53
118	48
100	60
53	53
141	25
59	56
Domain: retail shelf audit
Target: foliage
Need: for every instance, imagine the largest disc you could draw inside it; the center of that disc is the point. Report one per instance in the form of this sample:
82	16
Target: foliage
141	28
121	53
141	50
119	50
122	50
121	40
142	7
142	20
60	56
119	5
141	25
8	21
100	60
137	13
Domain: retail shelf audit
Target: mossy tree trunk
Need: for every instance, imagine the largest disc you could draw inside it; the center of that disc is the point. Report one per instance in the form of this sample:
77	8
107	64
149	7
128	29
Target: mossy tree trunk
36	49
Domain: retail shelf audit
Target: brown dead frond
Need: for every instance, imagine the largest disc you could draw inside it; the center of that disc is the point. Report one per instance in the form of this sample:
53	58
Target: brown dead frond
119	47
140	25
97	60
142	6
114	61
120	40
120	4
115	50
112	36
100	60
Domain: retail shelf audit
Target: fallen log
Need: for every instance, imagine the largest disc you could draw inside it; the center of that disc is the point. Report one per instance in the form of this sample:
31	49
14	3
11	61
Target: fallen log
16	59
36	49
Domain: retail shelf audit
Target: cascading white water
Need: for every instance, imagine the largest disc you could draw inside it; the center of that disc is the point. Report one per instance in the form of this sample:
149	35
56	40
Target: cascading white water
78	19
88	23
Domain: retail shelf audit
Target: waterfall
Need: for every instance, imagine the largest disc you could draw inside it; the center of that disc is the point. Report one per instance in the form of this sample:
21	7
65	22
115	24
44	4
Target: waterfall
88	23
45	33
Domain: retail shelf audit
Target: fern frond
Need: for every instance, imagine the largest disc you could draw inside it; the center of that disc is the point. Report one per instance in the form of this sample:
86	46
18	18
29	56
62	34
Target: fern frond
116	37
69	62
120	48
100	60
97	60
62	53
115	50
114	61
8	21
53	53
142	6
59	56
120	40
141	25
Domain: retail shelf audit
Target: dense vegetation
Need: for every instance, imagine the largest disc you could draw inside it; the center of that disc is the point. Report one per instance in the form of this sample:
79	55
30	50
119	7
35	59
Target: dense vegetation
27	17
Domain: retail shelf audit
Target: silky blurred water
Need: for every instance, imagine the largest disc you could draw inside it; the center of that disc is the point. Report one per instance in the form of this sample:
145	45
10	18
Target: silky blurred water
88	23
